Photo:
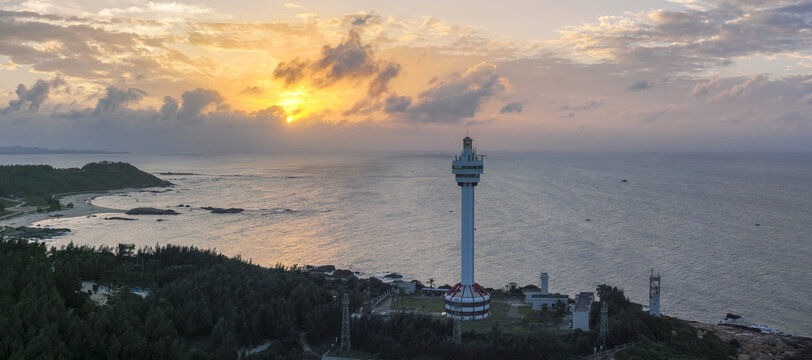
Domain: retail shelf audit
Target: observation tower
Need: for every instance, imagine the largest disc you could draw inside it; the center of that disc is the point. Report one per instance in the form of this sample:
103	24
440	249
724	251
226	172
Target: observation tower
467	300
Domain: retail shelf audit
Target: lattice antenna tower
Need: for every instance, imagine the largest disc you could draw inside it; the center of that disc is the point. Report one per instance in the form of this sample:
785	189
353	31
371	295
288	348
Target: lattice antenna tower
345	322
604	321
654	294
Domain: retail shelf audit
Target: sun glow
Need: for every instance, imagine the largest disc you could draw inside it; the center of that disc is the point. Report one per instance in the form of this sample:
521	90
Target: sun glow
294	102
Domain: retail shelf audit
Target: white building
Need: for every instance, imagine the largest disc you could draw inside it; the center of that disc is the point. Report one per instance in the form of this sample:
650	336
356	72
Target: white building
550	299
544	281
583	306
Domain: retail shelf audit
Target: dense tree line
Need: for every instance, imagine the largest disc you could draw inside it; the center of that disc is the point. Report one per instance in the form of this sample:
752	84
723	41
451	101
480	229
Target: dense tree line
657	337
412	336
37	183
203	305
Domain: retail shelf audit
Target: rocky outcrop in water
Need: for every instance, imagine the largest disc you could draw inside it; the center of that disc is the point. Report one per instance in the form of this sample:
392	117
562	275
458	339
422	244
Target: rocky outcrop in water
119	218
151	211
215	210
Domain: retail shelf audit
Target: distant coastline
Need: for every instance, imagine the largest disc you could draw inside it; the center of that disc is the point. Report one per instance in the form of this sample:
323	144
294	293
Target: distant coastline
82	206
24	150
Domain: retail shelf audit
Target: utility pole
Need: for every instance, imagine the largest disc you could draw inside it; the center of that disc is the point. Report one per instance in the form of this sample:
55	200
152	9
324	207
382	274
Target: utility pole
345	323
604	321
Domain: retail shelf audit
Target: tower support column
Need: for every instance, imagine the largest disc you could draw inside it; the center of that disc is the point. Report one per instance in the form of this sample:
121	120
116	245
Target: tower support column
467	245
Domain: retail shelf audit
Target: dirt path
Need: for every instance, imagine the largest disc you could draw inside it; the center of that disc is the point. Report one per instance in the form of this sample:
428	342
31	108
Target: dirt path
306	348
384	306
513	312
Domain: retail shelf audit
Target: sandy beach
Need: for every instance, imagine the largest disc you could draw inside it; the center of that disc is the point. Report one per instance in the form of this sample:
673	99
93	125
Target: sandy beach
82	206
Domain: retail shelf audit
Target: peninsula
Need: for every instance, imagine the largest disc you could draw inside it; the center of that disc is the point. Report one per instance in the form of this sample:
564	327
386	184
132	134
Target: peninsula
39	188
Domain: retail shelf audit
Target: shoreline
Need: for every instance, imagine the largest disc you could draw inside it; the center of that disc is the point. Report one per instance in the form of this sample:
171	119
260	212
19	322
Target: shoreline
82	206
756	344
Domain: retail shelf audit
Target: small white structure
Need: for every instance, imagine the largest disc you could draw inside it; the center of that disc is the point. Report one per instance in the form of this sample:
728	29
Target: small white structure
583	306
654	294
550	299
531	294
528	295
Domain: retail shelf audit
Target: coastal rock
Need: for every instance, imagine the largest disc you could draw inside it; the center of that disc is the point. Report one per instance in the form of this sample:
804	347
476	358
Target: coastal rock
151	211
32	232
215	210
393	276
322	269
341	273
119	218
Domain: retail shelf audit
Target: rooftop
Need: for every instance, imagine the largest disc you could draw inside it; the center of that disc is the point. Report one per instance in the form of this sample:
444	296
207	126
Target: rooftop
549	296
584	301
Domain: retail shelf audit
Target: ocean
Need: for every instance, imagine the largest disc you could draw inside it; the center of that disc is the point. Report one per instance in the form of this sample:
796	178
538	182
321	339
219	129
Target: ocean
727	232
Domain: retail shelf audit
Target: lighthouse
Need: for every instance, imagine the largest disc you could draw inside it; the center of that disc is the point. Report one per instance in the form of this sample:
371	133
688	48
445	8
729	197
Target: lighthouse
467	300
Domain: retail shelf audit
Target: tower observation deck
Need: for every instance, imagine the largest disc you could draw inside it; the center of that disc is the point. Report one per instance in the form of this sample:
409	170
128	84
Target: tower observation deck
467	300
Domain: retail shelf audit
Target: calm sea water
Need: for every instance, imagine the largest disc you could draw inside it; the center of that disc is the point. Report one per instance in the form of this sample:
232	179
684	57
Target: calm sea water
690	216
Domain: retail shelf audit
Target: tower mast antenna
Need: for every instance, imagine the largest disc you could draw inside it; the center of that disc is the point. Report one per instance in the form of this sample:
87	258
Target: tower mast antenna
604	321
345	322
467	300
654	294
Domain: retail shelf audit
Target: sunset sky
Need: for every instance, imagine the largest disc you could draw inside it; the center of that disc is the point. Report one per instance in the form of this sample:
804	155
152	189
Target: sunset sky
240	75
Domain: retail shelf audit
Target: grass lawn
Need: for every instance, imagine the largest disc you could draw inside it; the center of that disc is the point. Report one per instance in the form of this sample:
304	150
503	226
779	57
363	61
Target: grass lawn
498	315
525	310
422	303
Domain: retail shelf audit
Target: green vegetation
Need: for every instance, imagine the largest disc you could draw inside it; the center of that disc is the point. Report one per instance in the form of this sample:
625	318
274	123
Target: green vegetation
525	310
24	232
497	320
37	184
425	304
679	343
7	203
202	305
656	338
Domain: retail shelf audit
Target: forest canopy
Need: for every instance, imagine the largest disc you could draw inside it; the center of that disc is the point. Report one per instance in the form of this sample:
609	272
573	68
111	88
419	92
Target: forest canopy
38	183
173	302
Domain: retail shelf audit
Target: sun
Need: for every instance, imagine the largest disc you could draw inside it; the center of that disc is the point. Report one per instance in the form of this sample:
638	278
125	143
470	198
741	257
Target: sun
294	102
303	102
